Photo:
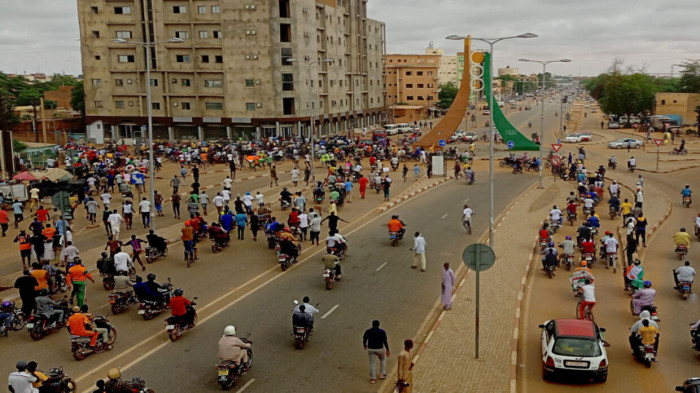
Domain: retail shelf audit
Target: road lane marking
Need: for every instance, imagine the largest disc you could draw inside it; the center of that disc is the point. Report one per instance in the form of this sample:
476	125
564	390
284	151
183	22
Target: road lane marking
245	386
330	311
380	267
444	215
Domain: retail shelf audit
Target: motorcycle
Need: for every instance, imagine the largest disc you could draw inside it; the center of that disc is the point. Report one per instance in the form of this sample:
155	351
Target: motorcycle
301	336
681	251
285	260
470	179
119	301
216	247
645	354
687	201
613	212
152	254
150	308
395	237
694	334
40	326
549	269
286	204
174	326
571	217
58	382
507	161
330	277
377	186
678	152
589	257
651	308
229	372
631	168
108	278
685	288
137	385
612	164
338	252
271	240
568	261
18	320
555	225
543	243
58	281
80	346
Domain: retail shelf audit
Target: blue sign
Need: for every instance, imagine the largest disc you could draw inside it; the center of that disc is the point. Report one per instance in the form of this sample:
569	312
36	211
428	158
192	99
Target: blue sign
511	144
442	143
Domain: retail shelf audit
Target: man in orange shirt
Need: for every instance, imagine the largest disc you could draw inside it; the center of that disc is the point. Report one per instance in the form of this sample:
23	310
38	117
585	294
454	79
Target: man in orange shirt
178	305
42	277
80	320
25	248
4	221
188	239
395	225
76	276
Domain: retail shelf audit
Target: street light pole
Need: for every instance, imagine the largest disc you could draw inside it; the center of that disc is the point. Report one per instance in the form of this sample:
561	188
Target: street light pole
544	90
151	160
491	42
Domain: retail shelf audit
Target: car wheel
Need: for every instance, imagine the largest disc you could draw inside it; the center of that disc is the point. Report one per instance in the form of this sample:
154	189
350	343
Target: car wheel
619	146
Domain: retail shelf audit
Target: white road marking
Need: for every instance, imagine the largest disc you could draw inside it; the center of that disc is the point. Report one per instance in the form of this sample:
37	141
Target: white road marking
380	267
330	311
245	386
444	216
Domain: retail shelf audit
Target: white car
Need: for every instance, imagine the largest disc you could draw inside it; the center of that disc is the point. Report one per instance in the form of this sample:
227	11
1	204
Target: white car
457	136
573	137
574	347
623	142
613	125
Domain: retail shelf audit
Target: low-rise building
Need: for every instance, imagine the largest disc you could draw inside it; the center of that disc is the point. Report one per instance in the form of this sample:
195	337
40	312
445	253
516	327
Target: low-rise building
682	104
412	79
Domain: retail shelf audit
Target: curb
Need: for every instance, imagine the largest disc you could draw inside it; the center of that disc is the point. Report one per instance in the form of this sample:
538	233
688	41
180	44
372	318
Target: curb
407	196
670	170
515	342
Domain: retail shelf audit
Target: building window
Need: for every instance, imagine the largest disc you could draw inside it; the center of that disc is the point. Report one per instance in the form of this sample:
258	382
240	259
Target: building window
430	98
420	98
182	34
97	82
286	55
155	106
98	104
420	85
409	98
185	82
419	73
285	32
213	83
409	85
215	9
250	106
95	34
119	82
182	58
120	104
663	102
284	8
430	73
185	106
219	58
217	34
94	10
215	105
202	9
154	82
179	9
287	82
203	34
122	10
409	73
250	82
125	35
205	58
97	57
126	58
288	106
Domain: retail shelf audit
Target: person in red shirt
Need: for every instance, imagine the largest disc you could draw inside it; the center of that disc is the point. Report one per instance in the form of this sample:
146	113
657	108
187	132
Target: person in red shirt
42	214
544	232
178	306
293	220
4	221
588	246
363	185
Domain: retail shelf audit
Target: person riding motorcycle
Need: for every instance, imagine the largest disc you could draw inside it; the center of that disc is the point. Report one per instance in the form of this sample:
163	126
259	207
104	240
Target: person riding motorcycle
681	238
634	338
49	308
288	243
395	225
645	297
545	233
686	192
634	274
614	203
588	246
300	318
332	261
272	227
319	193
593	220
612	160
232	349
683	274
219	235
286	196
469	173
567	247
550	257
80	324
335	240
264	211
115	384
156	241
555	215
178	305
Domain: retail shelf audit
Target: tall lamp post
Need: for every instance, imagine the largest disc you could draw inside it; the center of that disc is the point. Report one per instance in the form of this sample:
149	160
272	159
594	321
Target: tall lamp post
151	165
544	89
312	134
491	42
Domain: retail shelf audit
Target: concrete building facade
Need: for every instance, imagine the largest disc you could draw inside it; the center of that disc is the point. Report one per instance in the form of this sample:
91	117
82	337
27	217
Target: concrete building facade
231	77
682	104
448	66
412	79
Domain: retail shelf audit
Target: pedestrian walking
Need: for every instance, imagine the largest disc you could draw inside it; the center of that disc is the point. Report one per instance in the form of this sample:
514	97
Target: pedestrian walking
158	199
175	184
386	185
4	222
195	174
232	168
303	225
430	170
18	211
25	248
115	222
641	229
307	175
333	219
314	226
76	276
105	220
273	175
26	285
375	343
295	175
448	285
91	206
254	225
241	221
137	247
418	251
405	368
611	245
145	210
362	181
630	249
218	203
175	200
348	190
204	201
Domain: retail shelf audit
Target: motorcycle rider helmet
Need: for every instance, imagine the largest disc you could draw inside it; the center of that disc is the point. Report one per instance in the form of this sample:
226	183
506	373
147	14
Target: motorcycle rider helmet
104	255
21	365
551	244
178	292
77	261
114	373
682	229
261	204
584	263
75	309
6	304
187	223
230	330
568	237
151	276
647	284
288	229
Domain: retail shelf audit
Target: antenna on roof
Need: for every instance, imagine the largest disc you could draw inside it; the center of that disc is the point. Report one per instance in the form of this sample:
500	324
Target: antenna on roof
430	45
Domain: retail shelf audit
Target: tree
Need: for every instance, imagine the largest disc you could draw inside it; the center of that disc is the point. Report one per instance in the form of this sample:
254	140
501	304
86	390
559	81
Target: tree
50	104
31	96
447	94
77	100
690	77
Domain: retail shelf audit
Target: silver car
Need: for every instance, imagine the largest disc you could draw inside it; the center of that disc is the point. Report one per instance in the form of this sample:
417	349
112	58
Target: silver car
622	143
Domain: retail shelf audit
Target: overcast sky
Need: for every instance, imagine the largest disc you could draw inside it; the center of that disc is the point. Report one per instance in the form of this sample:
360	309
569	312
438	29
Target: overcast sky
42	35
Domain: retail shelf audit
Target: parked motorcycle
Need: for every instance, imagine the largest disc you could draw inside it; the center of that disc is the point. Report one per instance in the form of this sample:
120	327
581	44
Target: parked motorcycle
175	327
80	346
119	301
681	251
229	372
153	254
40	326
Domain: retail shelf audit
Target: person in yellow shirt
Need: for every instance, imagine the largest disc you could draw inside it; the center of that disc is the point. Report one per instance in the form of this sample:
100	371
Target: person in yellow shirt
40	377
626	209
648	333
682	238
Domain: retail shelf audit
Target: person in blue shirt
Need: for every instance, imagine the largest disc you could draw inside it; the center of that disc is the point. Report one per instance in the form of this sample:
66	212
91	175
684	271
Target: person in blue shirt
594	196
686	192
593	220
272	227
614	203
226	221
241	220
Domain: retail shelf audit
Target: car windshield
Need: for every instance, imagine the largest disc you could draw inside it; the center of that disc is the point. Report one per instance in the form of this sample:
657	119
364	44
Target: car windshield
576	346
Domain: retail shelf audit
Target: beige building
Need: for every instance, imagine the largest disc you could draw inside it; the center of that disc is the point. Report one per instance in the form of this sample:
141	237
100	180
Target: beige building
448	67
683	104
231	77
412	79
508	71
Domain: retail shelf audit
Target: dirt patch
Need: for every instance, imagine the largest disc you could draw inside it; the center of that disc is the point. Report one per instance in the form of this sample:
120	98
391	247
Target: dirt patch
546	199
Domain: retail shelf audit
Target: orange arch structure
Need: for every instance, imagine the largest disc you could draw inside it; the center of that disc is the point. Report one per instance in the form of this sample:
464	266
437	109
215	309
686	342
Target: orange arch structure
453	118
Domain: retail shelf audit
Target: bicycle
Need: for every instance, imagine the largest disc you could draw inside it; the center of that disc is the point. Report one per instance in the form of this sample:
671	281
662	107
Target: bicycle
189	254
587	313
466	222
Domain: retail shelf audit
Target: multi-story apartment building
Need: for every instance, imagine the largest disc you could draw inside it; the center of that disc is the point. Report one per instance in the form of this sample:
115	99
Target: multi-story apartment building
448	66
412	79
231	76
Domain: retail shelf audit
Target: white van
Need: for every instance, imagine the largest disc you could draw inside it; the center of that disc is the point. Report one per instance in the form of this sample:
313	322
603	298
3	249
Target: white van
391	129
405	128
